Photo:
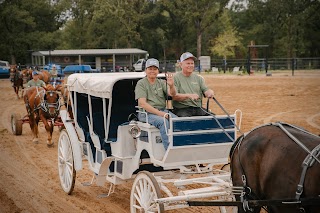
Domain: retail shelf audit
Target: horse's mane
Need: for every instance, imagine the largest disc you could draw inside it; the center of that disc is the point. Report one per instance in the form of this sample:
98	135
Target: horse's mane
50	87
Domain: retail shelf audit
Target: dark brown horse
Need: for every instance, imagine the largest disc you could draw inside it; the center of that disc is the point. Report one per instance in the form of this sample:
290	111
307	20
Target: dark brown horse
16	79
273	162
42	104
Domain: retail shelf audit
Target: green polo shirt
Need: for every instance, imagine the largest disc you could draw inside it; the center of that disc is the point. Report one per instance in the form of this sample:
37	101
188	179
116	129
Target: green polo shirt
193	84
33	83
155	94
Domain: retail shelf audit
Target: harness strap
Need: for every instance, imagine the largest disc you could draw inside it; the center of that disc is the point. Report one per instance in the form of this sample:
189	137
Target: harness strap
308	162
296	140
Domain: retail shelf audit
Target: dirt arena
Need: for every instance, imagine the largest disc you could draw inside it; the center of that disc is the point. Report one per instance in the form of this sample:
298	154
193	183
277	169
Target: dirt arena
28	172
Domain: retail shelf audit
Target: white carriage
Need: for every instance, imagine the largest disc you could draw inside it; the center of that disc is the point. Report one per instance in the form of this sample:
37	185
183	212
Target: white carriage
119	149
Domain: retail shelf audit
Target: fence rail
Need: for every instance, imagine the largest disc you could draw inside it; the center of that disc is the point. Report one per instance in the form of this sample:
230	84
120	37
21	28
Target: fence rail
230	64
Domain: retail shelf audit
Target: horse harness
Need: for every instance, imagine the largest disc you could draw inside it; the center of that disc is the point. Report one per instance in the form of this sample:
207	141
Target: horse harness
44	105
309	161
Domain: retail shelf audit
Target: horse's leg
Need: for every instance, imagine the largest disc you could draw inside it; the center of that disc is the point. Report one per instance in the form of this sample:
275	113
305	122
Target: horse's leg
36	131
34	128
16	91
49	129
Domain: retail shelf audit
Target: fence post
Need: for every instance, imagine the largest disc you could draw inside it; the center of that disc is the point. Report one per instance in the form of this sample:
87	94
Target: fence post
292	66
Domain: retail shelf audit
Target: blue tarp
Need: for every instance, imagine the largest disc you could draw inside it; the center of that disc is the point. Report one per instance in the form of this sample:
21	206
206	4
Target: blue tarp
78	69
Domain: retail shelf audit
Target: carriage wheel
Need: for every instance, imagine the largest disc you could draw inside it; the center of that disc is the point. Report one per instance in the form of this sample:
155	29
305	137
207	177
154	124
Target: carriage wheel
16	124
144	190
67	173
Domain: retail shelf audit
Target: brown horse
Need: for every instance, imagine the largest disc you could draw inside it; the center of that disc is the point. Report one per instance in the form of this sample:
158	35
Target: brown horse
42	104
273	162
16	79
65	95
26	75
45	76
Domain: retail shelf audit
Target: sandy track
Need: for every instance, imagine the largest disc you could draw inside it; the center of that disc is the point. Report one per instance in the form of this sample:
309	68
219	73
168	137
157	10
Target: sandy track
28	172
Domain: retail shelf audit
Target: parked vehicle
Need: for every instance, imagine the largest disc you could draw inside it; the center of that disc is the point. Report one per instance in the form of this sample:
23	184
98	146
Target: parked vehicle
140	65
4	69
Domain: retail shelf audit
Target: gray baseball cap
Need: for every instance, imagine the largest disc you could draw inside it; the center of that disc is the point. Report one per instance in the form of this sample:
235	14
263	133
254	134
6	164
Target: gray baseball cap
152	62
187	55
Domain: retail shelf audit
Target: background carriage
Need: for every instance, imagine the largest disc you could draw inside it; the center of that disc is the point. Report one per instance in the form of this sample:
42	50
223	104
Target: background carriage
119	148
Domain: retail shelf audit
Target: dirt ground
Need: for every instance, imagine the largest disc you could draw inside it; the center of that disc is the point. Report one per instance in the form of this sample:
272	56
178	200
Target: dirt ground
28	172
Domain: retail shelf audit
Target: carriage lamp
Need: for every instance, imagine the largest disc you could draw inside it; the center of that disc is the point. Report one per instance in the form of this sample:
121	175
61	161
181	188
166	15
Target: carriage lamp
135	131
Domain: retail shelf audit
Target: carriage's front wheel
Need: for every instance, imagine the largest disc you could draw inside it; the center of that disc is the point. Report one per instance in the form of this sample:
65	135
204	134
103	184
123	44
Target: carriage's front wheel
16	124
145	190
67	173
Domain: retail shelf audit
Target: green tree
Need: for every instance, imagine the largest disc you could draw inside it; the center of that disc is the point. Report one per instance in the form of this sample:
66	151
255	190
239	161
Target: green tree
26	25
224	45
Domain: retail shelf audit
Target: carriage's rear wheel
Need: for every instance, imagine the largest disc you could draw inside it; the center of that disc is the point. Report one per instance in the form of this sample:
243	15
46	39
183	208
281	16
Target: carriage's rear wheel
16	124
67	173
145	190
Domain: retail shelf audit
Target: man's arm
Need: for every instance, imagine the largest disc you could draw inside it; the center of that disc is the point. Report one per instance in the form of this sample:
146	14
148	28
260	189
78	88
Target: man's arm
182	97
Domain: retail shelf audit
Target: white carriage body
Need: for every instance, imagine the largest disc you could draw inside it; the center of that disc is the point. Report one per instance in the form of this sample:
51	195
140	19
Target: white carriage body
101	104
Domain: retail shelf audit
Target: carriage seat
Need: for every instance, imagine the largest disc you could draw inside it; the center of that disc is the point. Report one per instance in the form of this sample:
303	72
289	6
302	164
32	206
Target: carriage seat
98	129
201	130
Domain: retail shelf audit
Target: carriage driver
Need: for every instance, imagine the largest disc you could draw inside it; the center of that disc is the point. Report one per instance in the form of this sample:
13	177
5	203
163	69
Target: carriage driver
190	89
35	81
151	94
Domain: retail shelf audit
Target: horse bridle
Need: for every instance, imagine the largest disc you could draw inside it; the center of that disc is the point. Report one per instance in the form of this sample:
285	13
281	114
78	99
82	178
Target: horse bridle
44	105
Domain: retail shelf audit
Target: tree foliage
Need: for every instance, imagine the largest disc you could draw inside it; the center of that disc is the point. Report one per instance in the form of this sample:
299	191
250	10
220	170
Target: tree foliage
224	45
164	28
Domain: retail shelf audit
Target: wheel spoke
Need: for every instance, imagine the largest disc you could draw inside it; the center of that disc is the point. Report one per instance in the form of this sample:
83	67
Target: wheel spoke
137	199
65	163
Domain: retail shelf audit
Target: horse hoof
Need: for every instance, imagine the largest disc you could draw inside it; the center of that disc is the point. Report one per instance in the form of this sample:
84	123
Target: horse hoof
36	141
50	145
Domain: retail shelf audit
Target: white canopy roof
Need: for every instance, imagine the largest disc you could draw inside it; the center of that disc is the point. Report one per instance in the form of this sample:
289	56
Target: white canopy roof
98	84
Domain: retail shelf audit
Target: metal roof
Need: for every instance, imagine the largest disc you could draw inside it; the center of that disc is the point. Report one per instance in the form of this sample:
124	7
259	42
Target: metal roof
126	51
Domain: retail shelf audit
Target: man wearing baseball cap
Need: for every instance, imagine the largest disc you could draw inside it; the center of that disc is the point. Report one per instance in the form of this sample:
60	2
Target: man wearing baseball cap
35	81
190	89
151	94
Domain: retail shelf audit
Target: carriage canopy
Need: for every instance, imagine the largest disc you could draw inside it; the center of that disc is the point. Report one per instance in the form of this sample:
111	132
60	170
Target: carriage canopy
99	84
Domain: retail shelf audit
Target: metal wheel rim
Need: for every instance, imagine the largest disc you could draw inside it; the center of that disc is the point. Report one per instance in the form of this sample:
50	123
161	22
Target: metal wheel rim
143	192
65	162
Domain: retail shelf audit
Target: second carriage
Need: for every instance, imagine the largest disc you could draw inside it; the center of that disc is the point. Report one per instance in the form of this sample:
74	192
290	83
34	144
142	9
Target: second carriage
119	148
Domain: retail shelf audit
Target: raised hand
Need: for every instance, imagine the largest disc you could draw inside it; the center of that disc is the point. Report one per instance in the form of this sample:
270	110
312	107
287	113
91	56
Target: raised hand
169	77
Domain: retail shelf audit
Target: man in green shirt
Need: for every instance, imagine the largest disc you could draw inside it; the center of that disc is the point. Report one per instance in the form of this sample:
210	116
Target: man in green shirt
151	94
35	81
190	89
